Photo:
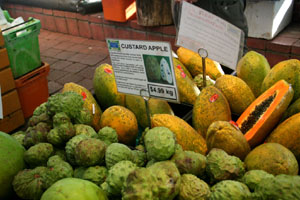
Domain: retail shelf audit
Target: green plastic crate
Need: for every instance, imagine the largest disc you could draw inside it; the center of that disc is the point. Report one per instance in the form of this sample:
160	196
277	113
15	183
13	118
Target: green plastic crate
22	45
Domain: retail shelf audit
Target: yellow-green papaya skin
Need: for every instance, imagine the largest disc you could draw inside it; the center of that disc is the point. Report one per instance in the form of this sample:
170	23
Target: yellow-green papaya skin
156	106
187	88
236	91
106	88
224	135
293	109
210	106
193	63
186	136
253	68
288	134
177	62
288	70
273	158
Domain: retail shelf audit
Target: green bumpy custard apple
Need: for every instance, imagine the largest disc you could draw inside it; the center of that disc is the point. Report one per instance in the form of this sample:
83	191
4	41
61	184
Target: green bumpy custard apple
229	189
139	158
85	117
58	169
95	174
69	102
139	185
117	152
30	183
199	81
74	189
193	188
71	145
36	134
90	152
189	162
283	187
253	177
167	179
160	143
38	154
108	135
82	129
19	136
221	166
63	130
117	176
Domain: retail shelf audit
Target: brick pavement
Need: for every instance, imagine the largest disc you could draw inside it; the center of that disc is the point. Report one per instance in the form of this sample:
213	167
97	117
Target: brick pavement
71	59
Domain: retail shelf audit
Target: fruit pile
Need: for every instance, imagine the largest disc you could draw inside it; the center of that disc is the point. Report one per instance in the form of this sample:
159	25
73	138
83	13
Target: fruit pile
80	147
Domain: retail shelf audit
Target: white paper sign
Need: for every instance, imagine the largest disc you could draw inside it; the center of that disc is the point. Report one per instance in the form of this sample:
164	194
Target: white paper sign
1	109
201	29
143	68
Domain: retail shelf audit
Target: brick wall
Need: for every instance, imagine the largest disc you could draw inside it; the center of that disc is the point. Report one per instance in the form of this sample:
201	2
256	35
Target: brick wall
92	26
284	46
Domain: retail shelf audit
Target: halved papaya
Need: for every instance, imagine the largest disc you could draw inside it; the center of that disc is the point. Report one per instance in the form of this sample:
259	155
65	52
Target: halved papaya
258	120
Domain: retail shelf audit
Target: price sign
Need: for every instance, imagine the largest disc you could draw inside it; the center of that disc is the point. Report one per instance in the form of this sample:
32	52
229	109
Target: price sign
143	66
198	28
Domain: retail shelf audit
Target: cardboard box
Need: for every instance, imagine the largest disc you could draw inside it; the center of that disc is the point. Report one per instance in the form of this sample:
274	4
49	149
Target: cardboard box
1	39
10	102
12	121
4	61
7	81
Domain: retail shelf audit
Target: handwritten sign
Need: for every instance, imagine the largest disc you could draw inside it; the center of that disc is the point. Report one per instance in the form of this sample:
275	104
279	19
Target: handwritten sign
201	29
143	68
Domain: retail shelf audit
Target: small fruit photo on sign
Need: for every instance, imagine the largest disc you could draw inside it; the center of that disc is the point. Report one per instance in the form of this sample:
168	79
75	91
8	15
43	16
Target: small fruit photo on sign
158	69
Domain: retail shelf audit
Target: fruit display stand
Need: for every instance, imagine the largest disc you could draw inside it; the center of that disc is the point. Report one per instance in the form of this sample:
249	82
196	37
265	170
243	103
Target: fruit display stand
12	112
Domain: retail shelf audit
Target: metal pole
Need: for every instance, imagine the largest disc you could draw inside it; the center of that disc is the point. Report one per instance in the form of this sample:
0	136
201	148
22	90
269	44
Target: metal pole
203	54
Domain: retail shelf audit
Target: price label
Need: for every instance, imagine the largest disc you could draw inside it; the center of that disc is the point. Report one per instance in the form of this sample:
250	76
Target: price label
162	91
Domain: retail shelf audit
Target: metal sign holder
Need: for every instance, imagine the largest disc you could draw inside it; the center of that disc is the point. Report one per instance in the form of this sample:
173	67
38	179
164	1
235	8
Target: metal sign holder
146	100
203	54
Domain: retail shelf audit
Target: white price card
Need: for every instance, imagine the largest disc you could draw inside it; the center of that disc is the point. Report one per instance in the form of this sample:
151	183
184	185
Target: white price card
201	29
143	68
1	107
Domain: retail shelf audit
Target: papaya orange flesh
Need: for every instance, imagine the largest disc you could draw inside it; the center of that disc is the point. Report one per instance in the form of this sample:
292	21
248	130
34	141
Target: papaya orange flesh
258	120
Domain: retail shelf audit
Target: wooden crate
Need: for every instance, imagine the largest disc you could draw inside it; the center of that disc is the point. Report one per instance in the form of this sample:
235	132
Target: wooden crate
10	102
12	121
1	39
4	61
7	81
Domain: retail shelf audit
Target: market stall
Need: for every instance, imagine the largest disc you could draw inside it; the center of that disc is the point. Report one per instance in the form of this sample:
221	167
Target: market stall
157	123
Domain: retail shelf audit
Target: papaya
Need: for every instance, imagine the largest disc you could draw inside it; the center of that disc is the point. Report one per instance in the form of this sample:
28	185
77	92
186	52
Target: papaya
186	136
193	63
294	108
180	65
90	102
272	158
252	68
106	88
263	114
287	134
210	106
187	88
226	136
156	106
288	70
123	121
236	91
